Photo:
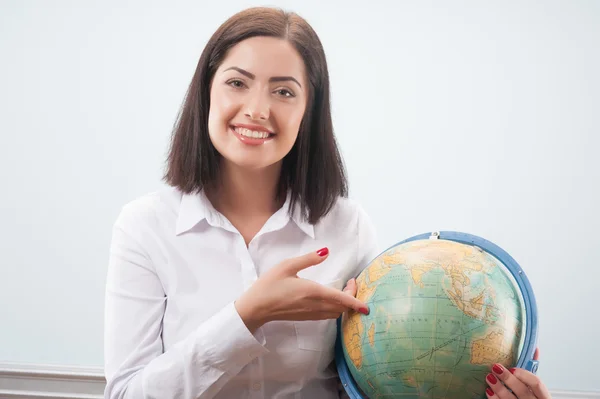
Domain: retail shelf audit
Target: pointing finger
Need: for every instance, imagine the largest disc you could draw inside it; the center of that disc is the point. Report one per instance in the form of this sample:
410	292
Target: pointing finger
294	265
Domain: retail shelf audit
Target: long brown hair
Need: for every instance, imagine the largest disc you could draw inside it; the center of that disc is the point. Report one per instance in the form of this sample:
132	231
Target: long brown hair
313	170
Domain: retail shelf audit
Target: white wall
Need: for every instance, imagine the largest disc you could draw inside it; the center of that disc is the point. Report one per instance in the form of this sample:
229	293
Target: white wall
471	116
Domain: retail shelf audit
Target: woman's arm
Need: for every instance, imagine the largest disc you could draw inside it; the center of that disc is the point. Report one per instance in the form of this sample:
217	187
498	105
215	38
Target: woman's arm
135	365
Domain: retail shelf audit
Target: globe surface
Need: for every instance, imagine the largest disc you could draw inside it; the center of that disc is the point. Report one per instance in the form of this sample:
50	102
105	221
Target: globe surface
441	314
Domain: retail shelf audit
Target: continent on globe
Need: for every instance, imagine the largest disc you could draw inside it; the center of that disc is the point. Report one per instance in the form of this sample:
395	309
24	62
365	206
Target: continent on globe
493	348
353	332
372	335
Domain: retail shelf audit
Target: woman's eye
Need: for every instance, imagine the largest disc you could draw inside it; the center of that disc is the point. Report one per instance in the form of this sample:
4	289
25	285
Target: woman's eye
238	84
285	93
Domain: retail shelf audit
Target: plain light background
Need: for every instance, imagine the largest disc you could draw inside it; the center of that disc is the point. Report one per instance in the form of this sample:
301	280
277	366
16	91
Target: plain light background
473	116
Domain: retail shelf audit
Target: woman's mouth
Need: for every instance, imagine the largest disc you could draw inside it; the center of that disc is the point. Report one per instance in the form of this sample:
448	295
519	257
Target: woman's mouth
250	136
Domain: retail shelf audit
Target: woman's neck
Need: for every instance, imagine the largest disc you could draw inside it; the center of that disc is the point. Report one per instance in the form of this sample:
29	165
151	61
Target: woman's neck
244	193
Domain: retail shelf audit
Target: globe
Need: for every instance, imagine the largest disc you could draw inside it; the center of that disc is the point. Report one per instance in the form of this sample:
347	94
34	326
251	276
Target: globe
444	307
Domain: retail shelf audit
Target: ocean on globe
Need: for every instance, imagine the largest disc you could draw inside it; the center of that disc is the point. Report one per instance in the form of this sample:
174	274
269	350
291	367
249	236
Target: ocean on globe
444	307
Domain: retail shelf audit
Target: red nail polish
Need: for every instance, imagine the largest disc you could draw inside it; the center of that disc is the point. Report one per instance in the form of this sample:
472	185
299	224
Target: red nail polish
323	251
489	391
363	310
492	378
498	369
512	370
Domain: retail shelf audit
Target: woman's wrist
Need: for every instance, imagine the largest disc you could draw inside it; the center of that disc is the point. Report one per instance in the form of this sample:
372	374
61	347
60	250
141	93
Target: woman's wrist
249	313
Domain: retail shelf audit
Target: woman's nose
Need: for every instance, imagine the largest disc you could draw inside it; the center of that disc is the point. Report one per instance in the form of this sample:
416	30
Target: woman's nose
257	108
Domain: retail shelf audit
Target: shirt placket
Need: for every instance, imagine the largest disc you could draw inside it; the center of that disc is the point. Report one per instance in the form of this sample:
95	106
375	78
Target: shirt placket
249	276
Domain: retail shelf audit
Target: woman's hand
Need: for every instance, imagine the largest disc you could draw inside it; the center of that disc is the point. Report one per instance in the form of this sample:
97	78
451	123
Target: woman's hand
522	383
280	294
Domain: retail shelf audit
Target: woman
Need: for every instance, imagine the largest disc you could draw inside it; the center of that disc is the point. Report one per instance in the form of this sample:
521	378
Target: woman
203	298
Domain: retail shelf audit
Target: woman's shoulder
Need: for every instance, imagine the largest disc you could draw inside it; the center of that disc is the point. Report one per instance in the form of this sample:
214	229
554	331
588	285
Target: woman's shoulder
149	208
346	213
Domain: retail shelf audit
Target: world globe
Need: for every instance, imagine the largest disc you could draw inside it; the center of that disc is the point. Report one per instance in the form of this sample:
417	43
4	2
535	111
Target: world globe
444	307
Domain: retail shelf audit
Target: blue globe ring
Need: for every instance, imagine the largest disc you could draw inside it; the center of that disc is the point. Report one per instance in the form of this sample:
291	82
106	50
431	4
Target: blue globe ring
525	361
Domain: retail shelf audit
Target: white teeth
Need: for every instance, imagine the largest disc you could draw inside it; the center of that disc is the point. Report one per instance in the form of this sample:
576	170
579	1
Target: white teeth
251	133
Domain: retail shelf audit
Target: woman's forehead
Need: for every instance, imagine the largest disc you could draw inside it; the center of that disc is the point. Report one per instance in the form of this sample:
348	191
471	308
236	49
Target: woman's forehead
265	57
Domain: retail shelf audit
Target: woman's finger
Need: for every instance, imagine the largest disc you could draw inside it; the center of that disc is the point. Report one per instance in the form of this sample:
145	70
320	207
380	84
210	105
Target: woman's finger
324	306
351	287
533	382
338	297
498	388
519	389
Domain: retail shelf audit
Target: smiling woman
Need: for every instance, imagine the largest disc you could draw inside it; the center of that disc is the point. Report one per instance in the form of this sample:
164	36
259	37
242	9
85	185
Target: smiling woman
203	295
263	70
256	134
257	102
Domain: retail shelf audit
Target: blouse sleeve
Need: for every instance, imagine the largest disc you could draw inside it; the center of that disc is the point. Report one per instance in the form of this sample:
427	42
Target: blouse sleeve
136	366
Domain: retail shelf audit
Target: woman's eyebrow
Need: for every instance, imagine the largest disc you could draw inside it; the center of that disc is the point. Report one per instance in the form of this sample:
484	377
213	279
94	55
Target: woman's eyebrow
273	79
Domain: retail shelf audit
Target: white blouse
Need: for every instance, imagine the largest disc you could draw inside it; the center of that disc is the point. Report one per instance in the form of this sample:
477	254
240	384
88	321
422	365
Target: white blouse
176	267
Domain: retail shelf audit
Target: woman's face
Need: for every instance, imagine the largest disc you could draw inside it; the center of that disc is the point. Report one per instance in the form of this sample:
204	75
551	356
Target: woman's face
257	101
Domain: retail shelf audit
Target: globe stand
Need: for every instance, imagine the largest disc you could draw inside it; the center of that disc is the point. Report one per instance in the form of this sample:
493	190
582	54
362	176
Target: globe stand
525	361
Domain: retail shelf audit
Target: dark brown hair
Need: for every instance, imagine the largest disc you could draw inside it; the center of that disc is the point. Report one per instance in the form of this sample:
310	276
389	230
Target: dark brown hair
313	170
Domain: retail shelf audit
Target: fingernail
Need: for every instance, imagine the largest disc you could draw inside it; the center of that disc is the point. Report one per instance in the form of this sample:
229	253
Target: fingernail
323	251
363	310
498	369
491	378
512	370
489	391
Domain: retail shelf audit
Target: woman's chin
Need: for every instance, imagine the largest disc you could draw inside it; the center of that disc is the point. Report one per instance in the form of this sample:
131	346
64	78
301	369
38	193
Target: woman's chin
251	164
